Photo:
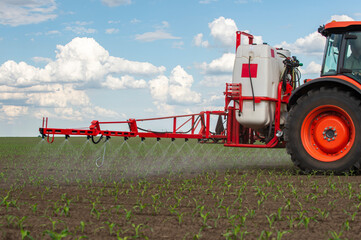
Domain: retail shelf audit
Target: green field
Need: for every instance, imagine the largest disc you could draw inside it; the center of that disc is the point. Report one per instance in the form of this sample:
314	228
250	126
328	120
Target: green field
167	190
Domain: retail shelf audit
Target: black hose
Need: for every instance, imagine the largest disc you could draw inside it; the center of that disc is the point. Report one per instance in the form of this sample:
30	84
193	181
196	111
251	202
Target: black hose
96	142
250	79
282	54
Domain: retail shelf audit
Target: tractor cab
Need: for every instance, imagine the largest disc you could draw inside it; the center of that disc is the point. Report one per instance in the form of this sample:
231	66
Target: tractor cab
343	49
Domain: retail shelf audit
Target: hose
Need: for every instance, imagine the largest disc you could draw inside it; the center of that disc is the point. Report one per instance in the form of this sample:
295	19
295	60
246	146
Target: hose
96	142
250	79
102	162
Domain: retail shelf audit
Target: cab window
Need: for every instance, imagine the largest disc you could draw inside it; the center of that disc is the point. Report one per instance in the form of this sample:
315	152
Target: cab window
352	59
331	54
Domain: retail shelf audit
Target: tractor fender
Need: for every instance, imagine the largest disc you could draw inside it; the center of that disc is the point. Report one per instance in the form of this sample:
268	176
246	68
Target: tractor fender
342	82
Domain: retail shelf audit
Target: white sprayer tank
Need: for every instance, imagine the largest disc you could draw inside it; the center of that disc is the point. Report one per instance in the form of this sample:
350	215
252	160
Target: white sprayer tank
264	66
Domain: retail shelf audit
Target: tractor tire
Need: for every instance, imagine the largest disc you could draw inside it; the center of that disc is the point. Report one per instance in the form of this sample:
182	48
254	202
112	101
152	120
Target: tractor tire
323	131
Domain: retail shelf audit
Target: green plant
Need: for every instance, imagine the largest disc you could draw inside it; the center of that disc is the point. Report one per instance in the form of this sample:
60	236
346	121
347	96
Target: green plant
57	236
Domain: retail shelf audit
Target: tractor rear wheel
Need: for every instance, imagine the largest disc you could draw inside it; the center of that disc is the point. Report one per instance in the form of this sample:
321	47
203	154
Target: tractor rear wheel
323	131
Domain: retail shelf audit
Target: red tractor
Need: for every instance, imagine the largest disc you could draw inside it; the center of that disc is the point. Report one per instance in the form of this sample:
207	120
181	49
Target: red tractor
266	106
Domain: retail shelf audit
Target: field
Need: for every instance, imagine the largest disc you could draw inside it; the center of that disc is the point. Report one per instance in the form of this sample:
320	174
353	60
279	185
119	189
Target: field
167	190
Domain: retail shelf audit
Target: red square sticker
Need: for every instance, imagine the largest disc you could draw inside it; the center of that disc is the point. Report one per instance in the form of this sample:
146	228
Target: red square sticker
246	68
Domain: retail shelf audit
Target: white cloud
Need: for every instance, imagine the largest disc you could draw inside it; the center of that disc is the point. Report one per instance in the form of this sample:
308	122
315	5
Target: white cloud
159	88
153	36
164	109
221	65
115	3
216	80
312	44
179	88
312	68
159	34
111	30
15	13
223	31
10	95
218	71
63	96
12	111
99	112
60	85
81	60
41	59
174	90
123	83
198	41
341	18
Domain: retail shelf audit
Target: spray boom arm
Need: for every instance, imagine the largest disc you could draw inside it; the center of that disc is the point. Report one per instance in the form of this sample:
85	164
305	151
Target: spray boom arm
199	122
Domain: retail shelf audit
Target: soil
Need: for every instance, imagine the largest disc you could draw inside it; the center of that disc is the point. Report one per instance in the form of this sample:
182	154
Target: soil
252	203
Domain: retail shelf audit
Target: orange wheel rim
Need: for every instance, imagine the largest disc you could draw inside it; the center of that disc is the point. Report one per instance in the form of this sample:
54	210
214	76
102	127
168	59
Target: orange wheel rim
327	133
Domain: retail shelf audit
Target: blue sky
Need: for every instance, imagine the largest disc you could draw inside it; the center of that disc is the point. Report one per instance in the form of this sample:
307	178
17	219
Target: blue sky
76	61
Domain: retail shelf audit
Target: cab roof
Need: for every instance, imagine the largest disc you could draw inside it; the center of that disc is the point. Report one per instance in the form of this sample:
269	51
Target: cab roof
339	27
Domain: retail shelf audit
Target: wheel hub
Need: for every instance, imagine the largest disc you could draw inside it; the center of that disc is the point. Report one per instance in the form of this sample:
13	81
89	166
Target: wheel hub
329	134
325	132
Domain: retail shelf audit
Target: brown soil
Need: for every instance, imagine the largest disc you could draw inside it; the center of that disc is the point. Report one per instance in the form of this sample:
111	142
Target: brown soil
48	197
270	202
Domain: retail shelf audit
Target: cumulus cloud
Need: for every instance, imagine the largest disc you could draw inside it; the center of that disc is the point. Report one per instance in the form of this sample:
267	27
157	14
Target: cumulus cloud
216	80
80	61
312	68
341	18
41	59
159	34
61	97
15	13
123	82
60	85
180	83
12	111
218	71
223	32
115	3
312	44
159	88
173	90
221	65
198	41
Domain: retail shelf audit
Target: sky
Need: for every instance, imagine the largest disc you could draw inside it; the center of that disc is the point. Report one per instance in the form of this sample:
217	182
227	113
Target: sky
84	60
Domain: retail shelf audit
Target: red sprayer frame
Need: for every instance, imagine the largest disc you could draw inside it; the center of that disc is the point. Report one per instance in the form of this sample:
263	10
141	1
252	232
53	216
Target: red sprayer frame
234	134
201	120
